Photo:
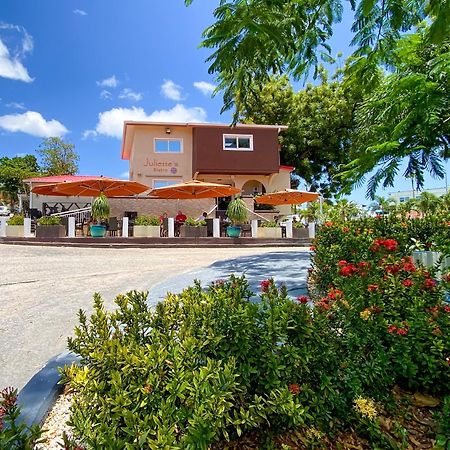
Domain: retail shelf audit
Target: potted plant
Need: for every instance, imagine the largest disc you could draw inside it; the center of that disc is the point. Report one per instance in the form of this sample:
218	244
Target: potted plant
269	229
50	227
14	226
99	212
237	213
193	228
299	231
146	226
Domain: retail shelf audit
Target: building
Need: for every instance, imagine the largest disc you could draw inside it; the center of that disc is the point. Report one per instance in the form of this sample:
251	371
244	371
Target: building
161	154
403	196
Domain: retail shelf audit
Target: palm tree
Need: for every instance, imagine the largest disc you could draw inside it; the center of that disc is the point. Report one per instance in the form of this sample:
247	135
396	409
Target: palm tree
427	203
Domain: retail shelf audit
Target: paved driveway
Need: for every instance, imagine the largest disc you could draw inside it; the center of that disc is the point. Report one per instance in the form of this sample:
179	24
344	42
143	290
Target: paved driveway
42	288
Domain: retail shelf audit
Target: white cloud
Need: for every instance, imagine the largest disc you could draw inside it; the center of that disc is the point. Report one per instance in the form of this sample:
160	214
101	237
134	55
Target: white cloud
105	95
32	122
125	175
110	82
88	133
110	123
204	87
16	105
80	12
171	90
129	94
11	65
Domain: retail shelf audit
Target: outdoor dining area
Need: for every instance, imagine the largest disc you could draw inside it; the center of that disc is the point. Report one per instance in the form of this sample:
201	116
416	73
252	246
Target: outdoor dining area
130	224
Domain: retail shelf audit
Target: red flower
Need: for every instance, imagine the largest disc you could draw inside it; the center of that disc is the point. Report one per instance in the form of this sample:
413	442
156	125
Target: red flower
407	282
392	329
447	309
392	268
348	270
303	299
376	309
390	244
363	264
345	229
446	277
328	224
372	287
335	293
402	331
312	248
342	262
323	304
429	283
265	284
437	331
294	388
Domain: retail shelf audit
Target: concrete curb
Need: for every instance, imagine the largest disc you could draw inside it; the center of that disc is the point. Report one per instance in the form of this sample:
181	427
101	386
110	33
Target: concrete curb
39	395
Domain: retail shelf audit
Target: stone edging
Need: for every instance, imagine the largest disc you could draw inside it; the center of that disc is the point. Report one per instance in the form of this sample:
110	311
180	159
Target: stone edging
39	395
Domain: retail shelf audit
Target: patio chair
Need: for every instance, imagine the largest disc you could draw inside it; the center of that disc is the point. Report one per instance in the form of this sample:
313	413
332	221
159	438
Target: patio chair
246	230
113	226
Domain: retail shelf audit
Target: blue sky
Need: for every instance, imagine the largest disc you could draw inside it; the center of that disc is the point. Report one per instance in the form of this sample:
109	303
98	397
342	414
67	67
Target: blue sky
77	69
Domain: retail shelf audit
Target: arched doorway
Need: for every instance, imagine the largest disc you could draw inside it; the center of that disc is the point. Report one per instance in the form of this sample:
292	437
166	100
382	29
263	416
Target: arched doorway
253	187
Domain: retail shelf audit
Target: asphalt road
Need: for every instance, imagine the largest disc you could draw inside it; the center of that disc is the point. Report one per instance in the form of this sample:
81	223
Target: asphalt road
42	289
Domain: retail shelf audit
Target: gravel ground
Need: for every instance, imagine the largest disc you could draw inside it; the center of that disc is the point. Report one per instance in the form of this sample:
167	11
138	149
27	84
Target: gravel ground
42	289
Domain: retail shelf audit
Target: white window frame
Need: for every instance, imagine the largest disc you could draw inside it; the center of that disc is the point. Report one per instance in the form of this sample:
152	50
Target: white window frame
166	180
237	136
168	139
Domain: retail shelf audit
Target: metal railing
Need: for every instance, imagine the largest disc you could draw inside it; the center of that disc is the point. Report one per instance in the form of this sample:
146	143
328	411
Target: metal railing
80	215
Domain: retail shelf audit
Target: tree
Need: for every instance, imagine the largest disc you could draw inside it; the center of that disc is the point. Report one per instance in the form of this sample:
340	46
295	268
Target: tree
58	157
320	123
405	116
254	39
12	173
428	203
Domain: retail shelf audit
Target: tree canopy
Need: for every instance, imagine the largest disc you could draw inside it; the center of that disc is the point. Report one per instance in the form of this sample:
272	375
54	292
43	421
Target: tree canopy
12	173
320	123
57	157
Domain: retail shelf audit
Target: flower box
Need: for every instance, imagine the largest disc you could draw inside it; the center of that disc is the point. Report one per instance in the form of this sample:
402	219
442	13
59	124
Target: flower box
193	232
14	230
146	231
269	232
50	231
300	233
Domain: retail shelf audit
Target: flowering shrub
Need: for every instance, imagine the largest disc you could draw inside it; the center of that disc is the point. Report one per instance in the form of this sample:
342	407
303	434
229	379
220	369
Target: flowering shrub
14	435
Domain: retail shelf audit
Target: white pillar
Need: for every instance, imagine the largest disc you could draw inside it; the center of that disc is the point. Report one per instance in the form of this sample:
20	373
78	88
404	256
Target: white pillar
312	229
125	227
254	228
71	227
216	228
289	229
171	227
3	226
27	227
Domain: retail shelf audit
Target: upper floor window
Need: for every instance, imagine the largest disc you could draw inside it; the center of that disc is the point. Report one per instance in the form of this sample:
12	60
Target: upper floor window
168	146
238	142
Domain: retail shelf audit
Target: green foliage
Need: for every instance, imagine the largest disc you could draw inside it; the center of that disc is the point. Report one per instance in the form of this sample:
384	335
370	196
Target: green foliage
100	208
191	222
147	221
49	220
15	435
405	116
12	173
320	122
237	211
58	157
269	224
17	219
253	39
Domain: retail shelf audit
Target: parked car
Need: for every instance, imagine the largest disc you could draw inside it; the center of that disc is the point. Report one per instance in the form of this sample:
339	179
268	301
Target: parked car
4	210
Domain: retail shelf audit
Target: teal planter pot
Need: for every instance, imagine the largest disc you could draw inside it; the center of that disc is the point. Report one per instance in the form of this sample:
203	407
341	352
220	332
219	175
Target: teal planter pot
233	231
98	230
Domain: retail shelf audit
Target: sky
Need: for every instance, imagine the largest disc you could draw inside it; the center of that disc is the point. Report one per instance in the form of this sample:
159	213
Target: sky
77	69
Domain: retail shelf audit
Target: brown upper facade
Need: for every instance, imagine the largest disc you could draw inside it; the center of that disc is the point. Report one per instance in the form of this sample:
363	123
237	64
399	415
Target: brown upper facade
160	153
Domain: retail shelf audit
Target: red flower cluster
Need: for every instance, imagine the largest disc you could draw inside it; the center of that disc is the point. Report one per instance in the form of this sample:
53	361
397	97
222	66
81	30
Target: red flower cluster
324	303
303	299
345	229
393	268
328	224
408	282
408	264
389	244
335	294
312	248
393	329
429	283
372	287
294	388
446	308
446	278
348	270
265	284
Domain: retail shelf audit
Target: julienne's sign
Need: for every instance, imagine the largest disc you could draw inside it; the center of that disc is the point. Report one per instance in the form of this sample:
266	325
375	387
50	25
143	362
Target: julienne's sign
161	166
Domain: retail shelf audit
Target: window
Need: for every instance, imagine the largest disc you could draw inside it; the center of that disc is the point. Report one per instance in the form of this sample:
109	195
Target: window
168	146
241	142
164	183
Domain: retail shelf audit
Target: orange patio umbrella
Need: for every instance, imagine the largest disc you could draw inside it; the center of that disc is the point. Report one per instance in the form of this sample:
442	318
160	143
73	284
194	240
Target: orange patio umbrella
194	189
93	187
286	197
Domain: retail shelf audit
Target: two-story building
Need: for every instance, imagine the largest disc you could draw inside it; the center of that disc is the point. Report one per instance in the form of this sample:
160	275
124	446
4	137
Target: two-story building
243	156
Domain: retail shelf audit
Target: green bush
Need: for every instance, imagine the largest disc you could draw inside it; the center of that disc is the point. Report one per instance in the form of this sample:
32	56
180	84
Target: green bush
17	219
191	222
147	221
269	224
49	220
